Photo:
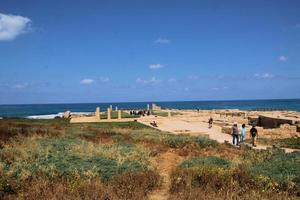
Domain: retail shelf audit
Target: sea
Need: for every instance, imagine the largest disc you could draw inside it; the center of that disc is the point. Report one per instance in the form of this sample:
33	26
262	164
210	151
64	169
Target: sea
49	111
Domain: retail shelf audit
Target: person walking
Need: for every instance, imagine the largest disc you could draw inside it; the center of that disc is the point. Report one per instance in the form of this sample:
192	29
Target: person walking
235	134
254	133
210	122
243	133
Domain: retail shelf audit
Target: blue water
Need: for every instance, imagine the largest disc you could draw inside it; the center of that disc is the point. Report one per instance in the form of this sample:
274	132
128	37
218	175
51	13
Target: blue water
46	109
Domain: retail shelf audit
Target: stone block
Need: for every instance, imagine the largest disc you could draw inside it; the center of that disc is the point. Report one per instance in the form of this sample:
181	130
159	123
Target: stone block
67	114
108	113
97	113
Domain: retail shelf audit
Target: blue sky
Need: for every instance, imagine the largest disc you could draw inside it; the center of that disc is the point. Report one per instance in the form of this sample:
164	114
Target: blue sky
116	51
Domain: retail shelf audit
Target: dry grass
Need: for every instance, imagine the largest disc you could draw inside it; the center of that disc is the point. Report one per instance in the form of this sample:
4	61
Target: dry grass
128	186
44	159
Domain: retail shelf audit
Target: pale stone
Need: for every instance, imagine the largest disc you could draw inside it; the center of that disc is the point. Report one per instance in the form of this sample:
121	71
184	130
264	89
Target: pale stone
67	114
155	107
97	113
119	114
169	113
108	113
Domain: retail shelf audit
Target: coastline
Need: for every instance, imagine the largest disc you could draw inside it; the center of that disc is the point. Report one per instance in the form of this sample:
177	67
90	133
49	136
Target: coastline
42	110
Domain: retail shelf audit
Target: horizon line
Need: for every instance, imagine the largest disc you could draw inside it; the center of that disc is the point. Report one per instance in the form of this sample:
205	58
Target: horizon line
151	101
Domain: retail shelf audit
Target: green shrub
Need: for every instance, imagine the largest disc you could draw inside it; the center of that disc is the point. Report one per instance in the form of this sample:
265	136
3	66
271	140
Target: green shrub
121	125
131	166
204	142
176	141
68	157
290	142
281	167
205	161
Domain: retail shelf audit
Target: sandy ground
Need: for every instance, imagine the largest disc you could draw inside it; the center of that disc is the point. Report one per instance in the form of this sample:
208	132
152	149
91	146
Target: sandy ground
177	125
193	125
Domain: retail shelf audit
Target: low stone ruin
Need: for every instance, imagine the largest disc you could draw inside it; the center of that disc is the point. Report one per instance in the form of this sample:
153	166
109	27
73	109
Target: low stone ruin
155	107
274	122
284	131
67	114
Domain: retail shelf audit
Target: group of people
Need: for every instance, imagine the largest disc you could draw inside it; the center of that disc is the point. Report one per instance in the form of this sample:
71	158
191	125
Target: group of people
239	134
153	123
140	112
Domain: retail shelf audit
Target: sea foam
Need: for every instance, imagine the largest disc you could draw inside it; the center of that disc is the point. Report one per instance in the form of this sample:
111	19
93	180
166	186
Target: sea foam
60	114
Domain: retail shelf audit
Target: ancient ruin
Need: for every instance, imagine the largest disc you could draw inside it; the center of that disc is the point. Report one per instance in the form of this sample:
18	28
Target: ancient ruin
155	107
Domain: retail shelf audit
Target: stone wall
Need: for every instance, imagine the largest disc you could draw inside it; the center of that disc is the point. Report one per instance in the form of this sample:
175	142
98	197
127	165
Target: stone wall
155	107
270	122
284	131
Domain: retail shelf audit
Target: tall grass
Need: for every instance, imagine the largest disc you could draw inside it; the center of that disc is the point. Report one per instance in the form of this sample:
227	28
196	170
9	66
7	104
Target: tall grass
260	173
64	159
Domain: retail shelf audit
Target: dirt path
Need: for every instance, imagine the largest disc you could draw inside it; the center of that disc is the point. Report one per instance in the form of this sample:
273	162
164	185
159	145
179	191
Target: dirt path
164	164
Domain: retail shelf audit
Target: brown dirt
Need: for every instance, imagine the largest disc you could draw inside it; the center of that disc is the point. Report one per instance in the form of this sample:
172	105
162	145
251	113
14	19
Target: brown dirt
164	164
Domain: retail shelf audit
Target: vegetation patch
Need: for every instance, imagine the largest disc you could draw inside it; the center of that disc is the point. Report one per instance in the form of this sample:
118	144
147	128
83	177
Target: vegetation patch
293	142
52	159
258	172
283	168
67	156
211	161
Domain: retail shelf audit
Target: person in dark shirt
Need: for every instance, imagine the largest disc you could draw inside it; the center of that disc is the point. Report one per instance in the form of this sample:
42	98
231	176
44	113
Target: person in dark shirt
235	134
254	133
210	122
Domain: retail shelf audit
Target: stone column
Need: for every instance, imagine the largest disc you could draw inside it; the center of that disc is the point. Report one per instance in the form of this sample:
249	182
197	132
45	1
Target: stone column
119	114
111	107
97	113
116	108
148	106
169	113
108	113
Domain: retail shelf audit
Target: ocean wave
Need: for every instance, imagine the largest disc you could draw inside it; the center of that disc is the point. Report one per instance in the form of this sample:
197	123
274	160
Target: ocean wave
52	116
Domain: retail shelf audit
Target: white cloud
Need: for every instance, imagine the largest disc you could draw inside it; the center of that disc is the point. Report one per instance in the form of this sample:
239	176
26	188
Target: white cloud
283	58
267	75
172	80
264	76
162	41
193	77
20	86
152	80
156	66
219	88
215	88
104	79
87	81
13	25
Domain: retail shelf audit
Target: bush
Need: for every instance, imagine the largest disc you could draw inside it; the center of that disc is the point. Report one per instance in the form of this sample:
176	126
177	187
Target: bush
289	142
205	161
280	167
177	141
68	157
204	142
133	186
